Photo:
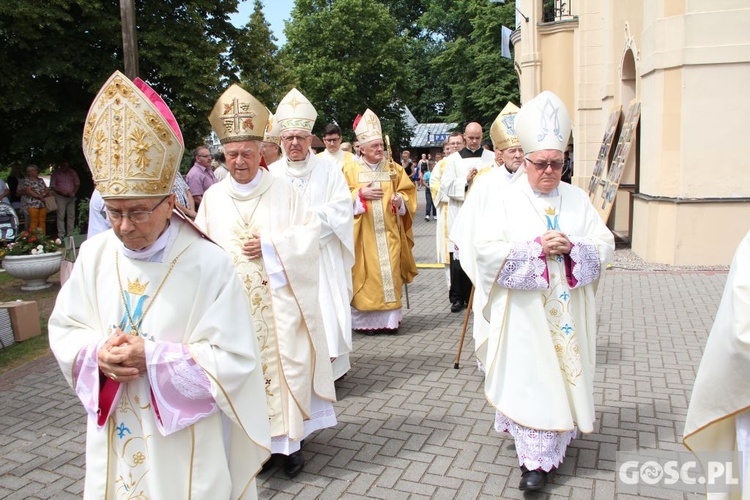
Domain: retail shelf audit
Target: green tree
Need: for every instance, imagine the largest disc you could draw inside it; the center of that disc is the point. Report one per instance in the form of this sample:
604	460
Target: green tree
479	79
347	56
57	53
257	57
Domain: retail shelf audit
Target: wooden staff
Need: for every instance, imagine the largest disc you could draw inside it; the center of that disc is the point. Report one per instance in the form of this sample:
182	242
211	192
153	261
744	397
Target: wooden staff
463	330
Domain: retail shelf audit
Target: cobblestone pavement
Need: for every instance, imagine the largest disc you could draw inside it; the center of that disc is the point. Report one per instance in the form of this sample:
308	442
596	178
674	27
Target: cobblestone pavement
412	426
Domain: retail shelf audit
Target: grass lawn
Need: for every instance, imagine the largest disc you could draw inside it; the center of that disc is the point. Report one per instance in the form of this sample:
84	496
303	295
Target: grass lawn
22	352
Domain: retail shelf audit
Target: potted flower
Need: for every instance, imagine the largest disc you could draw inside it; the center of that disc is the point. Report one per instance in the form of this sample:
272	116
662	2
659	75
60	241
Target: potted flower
32	257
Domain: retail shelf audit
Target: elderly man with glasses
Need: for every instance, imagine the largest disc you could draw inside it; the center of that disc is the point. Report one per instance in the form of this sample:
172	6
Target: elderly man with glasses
323	187
145	330
537	249
274	240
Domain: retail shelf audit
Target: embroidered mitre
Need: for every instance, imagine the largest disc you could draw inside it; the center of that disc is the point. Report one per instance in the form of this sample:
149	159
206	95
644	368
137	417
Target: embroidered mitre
238	116
503	129
368	128
543	123
272	133
295	111
131	140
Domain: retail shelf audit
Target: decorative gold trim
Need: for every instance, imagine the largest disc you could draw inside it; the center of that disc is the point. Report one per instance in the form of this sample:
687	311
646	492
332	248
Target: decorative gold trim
381	238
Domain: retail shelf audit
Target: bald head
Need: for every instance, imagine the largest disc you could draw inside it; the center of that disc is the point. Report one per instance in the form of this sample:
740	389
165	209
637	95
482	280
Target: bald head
473	136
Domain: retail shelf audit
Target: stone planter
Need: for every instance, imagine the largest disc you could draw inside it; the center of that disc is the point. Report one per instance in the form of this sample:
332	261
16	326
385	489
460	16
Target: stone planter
33	269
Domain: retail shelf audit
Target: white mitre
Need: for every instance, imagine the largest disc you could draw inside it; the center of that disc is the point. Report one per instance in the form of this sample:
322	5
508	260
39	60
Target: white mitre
543	123
272	130
368	128
295	111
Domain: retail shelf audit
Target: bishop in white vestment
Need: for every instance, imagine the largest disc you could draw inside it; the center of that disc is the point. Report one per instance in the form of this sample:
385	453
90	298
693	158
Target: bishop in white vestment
535	250
718	417
323	187
274	242
152	330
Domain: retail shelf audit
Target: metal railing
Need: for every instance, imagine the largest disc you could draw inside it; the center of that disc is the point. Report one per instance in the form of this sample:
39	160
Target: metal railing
556	10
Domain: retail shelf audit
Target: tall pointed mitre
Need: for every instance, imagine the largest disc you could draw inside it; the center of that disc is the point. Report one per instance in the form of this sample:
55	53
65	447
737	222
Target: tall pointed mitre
131	140
295	111
368	128
543	123
238	116
272	133
503	129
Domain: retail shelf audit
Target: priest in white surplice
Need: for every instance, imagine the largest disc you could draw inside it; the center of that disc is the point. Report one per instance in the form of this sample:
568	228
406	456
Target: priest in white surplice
323	187
460	169
718	417
489	182
152	330
536	252
274	241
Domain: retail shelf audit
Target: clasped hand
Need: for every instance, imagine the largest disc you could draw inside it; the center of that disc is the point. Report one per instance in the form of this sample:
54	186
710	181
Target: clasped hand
555	243
251	249
122	357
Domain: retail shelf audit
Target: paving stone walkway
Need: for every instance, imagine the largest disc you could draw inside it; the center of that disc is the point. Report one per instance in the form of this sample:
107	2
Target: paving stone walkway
410	425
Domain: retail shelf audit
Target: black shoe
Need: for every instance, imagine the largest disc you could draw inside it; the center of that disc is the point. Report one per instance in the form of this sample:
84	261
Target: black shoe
268	465
532	480
293	464
456	307
390	331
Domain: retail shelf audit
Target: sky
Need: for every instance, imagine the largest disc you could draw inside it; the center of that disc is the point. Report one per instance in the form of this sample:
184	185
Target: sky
276	12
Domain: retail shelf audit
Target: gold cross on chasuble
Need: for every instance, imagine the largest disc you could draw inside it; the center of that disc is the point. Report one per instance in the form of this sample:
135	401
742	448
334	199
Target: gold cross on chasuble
381	240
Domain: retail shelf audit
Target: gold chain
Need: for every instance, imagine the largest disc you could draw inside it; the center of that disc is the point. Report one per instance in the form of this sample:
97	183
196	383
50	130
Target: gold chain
135	328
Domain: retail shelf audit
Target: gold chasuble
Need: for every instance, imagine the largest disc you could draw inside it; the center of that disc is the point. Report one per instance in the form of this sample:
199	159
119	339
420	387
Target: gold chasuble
286	318
383	241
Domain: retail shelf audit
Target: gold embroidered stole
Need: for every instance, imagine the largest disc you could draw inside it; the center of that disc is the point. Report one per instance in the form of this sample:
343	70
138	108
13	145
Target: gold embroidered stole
381	239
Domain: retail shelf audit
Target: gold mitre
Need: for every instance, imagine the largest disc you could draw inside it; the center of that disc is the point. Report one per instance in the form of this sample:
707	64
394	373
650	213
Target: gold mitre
131	140
272	133
295	111
543	123
238	116
503	130
368	128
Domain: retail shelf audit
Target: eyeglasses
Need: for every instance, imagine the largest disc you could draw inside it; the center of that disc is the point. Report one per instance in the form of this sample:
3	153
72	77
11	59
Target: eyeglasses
288	139
332	140
204	156
135	216
541	167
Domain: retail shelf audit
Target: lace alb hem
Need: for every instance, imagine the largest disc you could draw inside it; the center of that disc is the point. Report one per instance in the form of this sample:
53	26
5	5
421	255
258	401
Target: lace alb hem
524	268
322	417
586	263
376	320
536	449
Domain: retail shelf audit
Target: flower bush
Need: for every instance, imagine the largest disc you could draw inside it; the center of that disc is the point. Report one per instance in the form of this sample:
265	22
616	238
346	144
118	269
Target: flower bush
32	243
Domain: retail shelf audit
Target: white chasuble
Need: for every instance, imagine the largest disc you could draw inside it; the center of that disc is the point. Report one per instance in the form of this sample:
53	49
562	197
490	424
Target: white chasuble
189	299
323	187
286	316
484	187
541	312
717	417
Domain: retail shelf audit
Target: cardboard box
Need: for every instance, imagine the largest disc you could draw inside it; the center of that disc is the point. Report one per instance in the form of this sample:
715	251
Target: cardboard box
24	318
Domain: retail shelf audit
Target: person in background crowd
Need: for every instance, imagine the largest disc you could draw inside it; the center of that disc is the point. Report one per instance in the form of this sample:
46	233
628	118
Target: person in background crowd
200	177
33	190
65	183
